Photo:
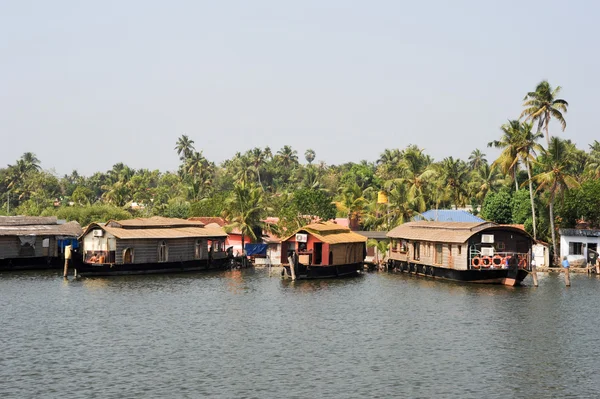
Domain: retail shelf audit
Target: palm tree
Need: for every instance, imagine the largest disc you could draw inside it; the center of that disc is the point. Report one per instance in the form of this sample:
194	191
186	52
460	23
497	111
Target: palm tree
287	156
31	161
381	247
184	147
508	161
309	155
486	179
477	159
526	148
593	165
554	177
352	203
455	173
258	158
244	210
541	105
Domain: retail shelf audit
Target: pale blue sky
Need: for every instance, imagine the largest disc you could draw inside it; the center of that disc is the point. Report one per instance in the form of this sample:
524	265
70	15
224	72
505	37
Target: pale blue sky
87	84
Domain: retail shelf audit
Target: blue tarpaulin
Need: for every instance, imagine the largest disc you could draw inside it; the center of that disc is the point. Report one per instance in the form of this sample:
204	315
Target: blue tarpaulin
256	249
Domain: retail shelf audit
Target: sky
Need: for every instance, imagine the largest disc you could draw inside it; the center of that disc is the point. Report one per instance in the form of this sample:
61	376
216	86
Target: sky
85	85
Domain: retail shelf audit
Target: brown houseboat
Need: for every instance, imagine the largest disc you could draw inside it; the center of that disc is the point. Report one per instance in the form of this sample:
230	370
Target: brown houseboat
152	245
481	252
323	250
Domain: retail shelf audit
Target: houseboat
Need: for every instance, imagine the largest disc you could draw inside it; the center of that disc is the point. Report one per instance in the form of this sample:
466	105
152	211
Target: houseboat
477	252
35	242
323	250
150	245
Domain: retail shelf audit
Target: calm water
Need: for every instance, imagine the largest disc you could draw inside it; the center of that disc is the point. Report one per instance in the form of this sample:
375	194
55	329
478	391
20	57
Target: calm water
243	334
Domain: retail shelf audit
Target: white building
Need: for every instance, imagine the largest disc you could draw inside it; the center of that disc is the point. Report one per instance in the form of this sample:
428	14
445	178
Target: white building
579	245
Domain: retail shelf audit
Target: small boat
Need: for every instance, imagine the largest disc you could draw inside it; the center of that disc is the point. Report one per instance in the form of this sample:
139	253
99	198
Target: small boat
323	250
150	245
476	252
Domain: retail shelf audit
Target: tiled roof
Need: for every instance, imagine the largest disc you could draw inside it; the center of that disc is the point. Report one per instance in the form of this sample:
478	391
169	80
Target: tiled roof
330	233
154	222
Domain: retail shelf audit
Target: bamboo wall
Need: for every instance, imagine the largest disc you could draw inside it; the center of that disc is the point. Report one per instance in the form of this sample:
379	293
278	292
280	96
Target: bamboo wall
146	250
454	256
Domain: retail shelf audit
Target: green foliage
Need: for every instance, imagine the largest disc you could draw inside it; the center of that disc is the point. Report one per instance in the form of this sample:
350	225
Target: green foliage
176	209
308	201
211	206
582	202
497	207
521	207
88	214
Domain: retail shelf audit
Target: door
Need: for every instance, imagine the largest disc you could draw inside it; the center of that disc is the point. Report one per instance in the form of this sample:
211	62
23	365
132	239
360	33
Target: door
318	250
592	253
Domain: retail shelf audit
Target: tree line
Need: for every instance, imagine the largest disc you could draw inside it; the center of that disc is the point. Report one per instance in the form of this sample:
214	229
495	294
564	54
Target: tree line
539	180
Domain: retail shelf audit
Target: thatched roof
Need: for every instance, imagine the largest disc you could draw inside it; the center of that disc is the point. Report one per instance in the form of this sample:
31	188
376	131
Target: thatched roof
71	229
157	228
153	222
27	220
330	233
446	232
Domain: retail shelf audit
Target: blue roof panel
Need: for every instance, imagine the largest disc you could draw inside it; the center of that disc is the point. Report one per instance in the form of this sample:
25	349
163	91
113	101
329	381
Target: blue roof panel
448	215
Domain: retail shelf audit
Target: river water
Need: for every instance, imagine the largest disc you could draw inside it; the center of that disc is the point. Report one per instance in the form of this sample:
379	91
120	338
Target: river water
244	334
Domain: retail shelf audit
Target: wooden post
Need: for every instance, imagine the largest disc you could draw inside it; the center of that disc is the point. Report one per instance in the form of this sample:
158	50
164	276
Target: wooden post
534	275
67	258
567	279
292	267
597	267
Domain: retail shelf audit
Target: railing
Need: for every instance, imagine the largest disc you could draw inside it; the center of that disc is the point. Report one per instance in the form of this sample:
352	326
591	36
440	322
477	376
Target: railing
500	260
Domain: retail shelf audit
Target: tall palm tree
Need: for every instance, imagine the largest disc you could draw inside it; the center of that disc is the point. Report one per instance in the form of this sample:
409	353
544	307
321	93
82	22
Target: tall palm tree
477	159
309	155
486	179
508	161
352	203
184	147
257	157
542	104
554	177
526	148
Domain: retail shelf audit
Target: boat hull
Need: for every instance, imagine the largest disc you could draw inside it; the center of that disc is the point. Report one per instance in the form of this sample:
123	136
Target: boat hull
508	276
36	263
304	272
98	269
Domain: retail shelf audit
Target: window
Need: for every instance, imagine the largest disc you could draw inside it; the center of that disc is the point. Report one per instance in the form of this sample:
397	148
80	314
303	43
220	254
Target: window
417	250
198	249
439	254
459	249
163	252
575	248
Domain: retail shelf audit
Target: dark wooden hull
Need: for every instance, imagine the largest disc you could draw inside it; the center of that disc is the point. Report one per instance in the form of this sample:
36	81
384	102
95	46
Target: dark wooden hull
98	269
510	276
35	263
304	272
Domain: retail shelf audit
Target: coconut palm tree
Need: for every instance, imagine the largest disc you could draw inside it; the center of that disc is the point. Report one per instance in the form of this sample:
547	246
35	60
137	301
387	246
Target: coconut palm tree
32	163
258	158
554	177
244	210
309	155
508	161
184	147
352	203
287	156
542	105
526	149
477	159
593	165
455	174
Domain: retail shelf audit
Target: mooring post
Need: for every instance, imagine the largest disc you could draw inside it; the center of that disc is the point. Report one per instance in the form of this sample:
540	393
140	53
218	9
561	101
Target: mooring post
534	275
292	267
67	258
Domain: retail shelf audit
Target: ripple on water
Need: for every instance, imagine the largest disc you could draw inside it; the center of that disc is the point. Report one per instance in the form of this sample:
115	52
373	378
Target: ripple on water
245	334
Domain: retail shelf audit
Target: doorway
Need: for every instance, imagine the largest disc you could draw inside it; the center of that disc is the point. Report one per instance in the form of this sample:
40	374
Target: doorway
318	247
